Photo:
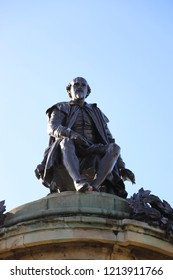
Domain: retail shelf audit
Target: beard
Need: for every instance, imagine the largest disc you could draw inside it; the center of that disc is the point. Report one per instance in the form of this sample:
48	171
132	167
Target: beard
80	95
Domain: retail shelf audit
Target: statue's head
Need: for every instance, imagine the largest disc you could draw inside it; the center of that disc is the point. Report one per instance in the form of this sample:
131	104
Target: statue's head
78	88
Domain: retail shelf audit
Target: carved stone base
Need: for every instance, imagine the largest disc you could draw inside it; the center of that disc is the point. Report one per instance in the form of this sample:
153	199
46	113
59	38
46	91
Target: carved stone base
73	225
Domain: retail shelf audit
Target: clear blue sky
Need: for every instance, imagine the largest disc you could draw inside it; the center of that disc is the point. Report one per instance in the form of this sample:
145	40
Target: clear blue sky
124	48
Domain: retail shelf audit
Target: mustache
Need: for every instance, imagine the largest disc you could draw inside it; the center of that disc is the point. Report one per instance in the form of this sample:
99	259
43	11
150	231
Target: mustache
79	89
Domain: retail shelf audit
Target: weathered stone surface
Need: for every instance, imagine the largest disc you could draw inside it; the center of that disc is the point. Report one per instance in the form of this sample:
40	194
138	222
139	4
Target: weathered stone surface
70	203
74	225
2	210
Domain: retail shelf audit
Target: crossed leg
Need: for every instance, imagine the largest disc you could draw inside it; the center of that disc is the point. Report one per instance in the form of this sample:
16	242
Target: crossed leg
71	162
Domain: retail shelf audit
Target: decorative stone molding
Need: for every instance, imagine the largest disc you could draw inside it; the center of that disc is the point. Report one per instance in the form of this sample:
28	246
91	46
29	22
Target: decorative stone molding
70	203
74	225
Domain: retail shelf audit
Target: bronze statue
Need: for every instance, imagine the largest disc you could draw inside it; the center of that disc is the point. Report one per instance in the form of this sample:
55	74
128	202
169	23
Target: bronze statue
82	154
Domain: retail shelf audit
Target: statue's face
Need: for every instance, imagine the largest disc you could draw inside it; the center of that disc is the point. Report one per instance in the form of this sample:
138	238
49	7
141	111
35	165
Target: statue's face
79	89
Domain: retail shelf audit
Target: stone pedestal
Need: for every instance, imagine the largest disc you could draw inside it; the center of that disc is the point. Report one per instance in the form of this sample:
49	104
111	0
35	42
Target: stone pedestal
82	226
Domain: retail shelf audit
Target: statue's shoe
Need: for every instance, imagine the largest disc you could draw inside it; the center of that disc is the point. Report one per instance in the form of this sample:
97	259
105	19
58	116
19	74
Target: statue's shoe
82	185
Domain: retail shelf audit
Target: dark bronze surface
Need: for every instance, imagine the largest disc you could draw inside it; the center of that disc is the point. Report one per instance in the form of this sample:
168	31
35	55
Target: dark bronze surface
82	154
152	210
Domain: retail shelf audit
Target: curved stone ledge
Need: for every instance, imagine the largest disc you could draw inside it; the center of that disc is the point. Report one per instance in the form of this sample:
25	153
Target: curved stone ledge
74	225
70	203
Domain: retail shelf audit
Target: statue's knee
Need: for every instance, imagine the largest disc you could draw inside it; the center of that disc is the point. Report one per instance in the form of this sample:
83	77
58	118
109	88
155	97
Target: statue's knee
66	144
114	149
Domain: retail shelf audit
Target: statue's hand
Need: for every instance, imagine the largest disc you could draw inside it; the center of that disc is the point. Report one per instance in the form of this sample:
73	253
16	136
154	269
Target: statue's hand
79	139
127	175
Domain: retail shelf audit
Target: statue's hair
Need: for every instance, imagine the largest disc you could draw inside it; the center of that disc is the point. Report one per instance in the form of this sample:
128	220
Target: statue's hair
68	87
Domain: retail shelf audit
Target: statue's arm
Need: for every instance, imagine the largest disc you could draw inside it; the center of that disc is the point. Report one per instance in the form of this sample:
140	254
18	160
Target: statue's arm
55	127
109	135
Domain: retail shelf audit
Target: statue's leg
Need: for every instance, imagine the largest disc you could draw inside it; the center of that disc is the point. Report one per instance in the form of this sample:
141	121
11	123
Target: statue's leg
106	165
71	163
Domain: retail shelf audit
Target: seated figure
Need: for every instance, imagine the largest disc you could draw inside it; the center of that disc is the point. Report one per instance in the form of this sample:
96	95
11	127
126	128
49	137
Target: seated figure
82	154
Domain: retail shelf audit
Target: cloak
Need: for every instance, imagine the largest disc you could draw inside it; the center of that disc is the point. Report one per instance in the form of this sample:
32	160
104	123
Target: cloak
64	114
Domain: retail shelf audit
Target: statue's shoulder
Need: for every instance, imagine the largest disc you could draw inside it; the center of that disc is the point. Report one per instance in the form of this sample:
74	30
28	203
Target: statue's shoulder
98	111
60	106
